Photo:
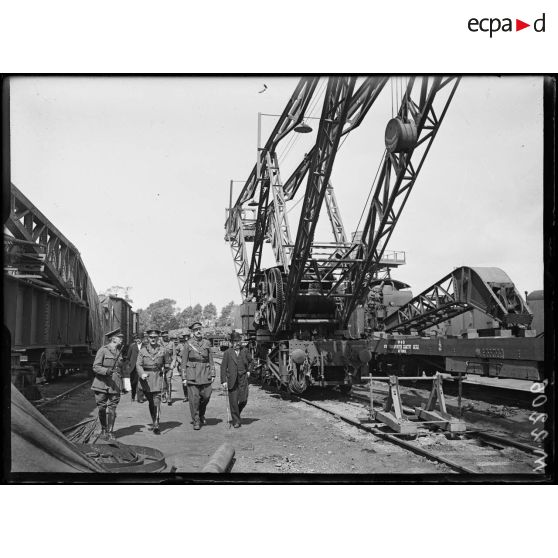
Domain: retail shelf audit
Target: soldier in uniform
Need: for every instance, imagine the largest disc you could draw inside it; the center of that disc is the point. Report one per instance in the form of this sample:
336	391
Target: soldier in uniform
164	338
165	343
150	365
235	371
183	339
198	373
107	383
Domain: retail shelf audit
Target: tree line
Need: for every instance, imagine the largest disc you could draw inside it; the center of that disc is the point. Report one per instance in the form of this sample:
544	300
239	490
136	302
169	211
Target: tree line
164	314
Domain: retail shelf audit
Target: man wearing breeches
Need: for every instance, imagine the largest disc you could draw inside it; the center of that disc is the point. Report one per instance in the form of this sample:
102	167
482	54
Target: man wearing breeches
107	383
198	373
150	365
183	340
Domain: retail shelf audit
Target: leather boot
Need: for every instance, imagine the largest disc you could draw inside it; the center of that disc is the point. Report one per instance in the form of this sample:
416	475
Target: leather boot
153	419
156	419
110	424
103	421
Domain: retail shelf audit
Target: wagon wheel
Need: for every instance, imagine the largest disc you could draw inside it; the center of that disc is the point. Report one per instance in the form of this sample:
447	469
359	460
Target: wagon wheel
274	298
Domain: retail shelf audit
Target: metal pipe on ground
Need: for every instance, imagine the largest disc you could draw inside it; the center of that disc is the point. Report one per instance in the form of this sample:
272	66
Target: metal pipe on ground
221	460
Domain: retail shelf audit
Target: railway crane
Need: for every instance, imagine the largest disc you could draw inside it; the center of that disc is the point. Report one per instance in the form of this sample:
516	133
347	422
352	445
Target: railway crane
329	311
299	311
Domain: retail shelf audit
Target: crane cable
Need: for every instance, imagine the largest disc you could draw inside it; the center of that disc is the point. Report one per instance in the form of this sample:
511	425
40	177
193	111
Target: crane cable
385	150
391	91
371	188
338	150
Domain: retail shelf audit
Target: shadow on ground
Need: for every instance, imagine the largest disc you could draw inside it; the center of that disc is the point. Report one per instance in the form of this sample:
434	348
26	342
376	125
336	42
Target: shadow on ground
129	430
248	420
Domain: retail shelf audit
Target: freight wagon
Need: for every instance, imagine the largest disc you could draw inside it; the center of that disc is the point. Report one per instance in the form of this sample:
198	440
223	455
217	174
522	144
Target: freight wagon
56	335
55	320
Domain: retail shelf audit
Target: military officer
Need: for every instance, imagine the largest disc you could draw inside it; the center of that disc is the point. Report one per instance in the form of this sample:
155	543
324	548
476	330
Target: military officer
165	343
107	383
183	339
164	338
198	373
150	365
235	371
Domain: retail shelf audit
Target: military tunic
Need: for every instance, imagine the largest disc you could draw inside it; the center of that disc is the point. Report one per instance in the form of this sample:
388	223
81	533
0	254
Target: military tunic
151	362
197	370
107	359
179	352
197	362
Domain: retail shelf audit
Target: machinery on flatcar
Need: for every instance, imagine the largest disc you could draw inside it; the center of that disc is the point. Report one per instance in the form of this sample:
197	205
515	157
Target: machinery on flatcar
472	321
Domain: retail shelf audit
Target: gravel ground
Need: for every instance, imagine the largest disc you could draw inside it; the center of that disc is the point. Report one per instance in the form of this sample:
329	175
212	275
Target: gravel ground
279	437
291	437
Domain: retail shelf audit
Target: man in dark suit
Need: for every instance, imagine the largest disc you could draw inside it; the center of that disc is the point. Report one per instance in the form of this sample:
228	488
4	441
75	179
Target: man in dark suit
235	371
131	358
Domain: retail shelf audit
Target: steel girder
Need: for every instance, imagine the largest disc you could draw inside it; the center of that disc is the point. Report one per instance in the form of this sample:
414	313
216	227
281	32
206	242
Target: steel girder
278	225
360	104
489	290
63	266
335	216
292	115
398	174
334	115
264	225
237	240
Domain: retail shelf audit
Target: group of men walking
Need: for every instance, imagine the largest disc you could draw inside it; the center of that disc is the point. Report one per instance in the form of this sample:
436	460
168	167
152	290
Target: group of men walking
148	367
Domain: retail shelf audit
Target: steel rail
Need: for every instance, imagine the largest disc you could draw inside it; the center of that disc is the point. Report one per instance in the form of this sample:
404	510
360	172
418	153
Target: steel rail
502	440
487	437
391	438
58	397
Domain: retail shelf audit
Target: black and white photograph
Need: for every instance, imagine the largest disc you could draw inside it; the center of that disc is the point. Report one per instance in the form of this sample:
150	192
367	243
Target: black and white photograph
276	278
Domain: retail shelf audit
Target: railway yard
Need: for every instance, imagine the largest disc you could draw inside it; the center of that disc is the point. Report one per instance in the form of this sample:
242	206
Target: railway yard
351	373
319	434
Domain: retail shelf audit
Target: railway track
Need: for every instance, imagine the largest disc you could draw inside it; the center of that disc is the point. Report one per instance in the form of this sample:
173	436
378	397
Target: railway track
62	395
68	404
474	452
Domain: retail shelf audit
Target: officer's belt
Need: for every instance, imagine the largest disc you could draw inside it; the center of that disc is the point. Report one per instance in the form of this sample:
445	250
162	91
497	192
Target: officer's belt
150	368
195	360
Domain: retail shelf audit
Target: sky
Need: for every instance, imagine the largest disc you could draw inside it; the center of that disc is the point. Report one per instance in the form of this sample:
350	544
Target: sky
135	172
